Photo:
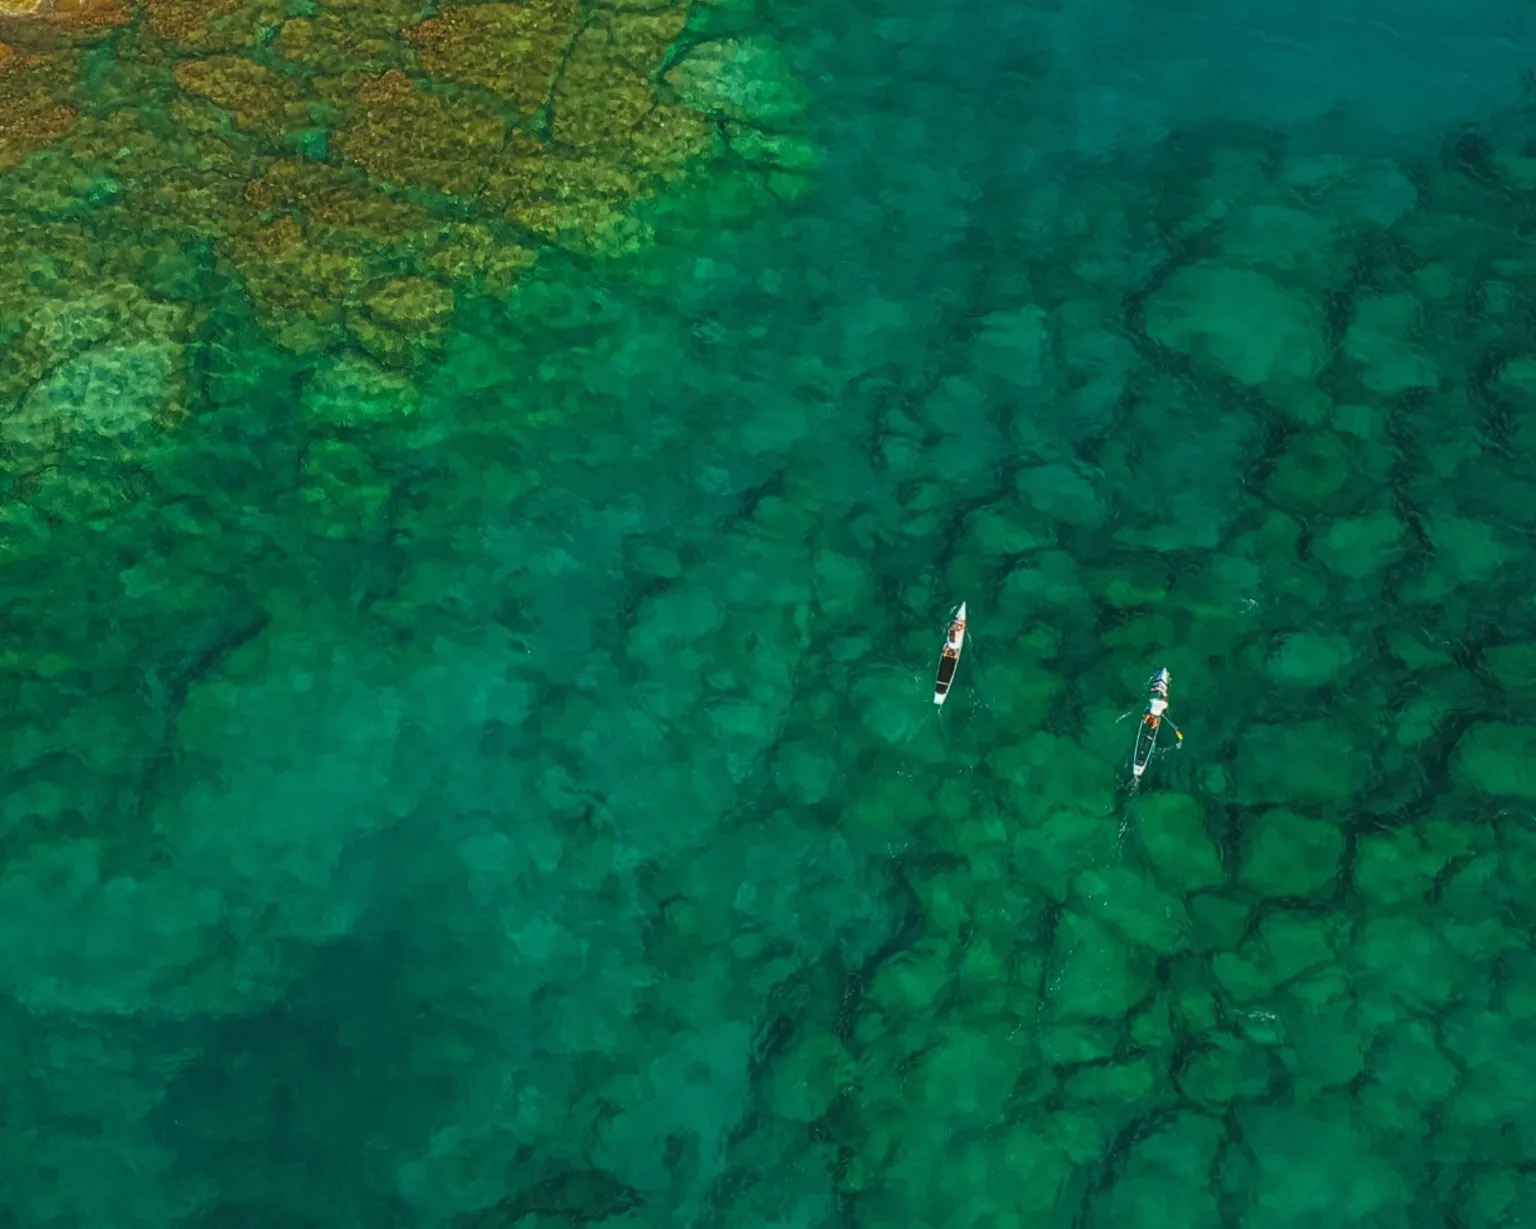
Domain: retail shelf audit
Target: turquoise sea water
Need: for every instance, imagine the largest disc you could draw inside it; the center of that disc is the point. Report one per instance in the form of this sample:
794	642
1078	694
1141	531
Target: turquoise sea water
491	780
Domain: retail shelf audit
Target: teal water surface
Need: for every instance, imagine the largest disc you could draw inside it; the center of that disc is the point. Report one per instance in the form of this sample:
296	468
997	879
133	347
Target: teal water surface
475	765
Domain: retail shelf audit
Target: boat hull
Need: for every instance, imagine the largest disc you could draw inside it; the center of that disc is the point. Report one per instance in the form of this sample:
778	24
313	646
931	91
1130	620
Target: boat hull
949	659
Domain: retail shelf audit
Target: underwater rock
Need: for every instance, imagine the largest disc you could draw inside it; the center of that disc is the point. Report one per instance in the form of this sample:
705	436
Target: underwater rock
1240	323
261	101
1410	1066
1064	492
1317	1165
1286	946
91	920
1131	1083
1163	1181
1361	546
212	25
48	24
1310	659
405	135
913	979
102	373
1494	757
1051	579
1264	769
1003	531
1467	549
1009	1177
401	316
604	92
34	111
1225	1070
1097	975
1409	960
1033	1166
351	391
112	391
1516	378
1324	1040
1053	846
1136	908
1378	192
1512	666
1393	867
1295	245
969	1071
787	154
1099	360
1487	1046
1312	468
1172	832
533	117
1286	854
1383	340
572	198
1189	489
340	40
803	1084
210	942
513	50
749	80
1015	346
302	290
343	490
1071	1043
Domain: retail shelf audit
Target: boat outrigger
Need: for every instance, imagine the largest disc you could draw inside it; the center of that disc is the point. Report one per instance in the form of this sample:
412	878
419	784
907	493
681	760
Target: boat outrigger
1152	723
954	641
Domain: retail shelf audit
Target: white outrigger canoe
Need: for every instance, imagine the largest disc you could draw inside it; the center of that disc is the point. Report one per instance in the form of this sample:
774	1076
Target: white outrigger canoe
954	641
1152	722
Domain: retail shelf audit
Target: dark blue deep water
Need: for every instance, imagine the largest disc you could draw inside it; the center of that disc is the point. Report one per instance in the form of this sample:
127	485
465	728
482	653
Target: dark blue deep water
482	492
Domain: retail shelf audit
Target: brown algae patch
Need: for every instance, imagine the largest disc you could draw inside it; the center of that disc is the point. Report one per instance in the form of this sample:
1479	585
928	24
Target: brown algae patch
361	167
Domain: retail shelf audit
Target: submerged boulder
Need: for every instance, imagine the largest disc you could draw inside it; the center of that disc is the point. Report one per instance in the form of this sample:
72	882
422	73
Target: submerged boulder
1497	758
1240	323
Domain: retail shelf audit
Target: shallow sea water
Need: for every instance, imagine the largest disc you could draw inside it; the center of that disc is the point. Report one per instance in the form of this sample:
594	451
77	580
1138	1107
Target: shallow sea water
468	754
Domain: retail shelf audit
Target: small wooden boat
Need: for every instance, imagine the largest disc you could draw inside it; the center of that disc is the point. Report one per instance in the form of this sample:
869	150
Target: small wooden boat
954	641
